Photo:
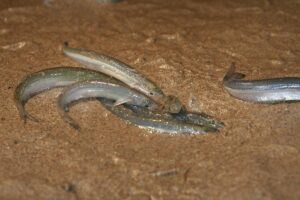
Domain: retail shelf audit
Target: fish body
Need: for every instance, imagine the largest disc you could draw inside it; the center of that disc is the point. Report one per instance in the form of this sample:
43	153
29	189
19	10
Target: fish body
201	119
183	116
124	73
44	80
99	89
157	123
134	113
273	90
116	69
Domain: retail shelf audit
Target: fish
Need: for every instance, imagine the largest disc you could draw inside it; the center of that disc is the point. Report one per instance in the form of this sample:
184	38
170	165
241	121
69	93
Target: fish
123	72
136	102
198	118
63	76
47	79
274	90
86	90
183	116
158	123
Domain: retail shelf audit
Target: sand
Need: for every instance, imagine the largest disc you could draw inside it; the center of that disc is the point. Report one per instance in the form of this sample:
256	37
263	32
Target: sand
185	47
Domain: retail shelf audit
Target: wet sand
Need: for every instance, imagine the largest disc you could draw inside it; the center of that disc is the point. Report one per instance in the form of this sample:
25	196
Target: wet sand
185	47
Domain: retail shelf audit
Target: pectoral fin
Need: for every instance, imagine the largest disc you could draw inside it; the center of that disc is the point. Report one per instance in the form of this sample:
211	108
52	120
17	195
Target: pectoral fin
122	101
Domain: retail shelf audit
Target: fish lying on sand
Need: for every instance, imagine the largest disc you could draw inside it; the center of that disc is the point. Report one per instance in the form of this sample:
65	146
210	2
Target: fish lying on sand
184	116
47	79
126	103
273	90
121	71
99	89
158	123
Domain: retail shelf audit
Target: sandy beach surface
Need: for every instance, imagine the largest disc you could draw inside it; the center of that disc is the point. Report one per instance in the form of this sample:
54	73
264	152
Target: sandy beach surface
186	48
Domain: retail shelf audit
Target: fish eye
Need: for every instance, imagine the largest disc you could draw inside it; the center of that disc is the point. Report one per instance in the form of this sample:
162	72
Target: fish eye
151	93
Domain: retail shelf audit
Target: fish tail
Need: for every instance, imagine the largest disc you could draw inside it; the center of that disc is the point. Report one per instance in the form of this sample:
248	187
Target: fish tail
24	115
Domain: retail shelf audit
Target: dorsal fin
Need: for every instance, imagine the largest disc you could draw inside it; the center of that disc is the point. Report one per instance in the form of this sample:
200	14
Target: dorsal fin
231	74
237	75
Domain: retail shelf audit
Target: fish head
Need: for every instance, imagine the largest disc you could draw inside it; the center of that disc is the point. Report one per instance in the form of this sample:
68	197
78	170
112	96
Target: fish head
154	93
172	104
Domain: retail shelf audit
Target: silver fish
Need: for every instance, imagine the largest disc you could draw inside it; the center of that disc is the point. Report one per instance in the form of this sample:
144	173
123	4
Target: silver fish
63	76
183	116
99	89
158	123
47	79
124	73
274	90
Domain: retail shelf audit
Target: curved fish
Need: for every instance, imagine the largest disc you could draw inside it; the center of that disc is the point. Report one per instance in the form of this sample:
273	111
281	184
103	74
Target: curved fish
124	73
274	90
159	124
99	89
47	79
63	76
